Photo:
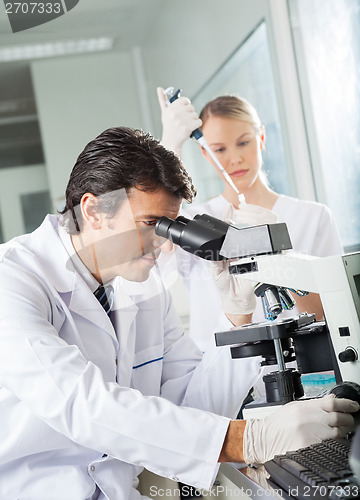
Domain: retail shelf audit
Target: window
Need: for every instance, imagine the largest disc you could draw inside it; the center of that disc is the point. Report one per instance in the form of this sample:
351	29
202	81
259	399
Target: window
34	208
1	236
247	73
327	45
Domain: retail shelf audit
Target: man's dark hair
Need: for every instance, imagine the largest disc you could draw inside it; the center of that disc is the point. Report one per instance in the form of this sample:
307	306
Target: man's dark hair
122	158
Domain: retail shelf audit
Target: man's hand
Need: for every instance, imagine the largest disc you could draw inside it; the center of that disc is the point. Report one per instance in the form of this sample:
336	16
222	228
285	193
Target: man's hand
179	120
297	425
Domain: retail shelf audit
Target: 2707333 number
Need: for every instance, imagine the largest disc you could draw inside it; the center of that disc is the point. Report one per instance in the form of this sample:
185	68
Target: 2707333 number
346	491
33	8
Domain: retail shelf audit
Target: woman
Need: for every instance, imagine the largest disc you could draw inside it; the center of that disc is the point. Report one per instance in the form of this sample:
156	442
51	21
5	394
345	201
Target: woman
233	130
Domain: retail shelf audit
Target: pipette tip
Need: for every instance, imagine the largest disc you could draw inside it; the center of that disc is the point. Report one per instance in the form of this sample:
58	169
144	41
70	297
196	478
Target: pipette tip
241	198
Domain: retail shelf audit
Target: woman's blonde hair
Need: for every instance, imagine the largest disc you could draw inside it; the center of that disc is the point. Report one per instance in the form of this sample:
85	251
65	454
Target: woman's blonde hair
231	106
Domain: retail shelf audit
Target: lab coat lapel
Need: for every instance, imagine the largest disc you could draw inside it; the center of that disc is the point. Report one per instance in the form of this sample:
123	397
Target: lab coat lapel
60	272
84	303
123	318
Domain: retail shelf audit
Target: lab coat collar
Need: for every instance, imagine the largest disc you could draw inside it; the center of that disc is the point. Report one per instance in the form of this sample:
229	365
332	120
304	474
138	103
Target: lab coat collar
54	258
60	272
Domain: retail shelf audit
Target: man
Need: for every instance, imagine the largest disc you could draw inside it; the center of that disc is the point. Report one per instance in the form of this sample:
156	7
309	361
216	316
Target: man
89	399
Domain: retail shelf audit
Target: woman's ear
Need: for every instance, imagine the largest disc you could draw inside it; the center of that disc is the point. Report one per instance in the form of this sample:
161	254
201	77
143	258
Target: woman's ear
89	211
262	134
206	155
210	160
203	152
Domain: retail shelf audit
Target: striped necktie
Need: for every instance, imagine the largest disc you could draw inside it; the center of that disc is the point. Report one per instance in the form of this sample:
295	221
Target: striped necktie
105	295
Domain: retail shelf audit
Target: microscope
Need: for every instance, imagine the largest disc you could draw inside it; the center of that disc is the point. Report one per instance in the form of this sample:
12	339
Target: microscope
263	254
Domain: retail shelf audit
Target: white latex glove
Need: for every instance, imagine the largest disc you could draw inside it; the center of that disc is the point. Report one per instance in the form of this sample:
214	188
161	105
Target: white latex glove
237	294
248	215
179	120
297	425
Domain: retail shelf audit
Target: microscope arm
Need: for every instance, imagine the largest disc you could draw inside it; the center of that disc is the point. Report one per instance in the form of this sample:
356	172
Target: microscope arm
262	259
336	279
310	303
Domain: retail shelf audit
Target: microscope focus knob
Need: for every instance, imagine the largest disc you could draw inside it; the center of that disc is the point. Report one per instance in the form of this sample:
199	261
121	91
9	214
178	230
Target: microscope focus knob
349	354
348	390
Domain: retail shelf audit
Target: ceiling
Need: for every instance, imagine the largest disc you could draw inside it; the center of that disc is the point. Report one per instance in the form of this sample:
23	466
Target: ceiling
127	21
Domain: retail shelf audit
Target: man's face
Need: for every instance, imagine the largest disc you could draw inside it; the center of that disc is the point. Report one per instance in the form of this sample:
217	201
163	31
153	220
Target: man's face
126	245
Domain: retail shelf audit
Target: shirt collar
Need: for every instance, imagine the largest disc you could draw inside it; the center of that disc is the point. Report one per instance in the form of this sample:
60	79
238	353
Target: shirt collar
78	264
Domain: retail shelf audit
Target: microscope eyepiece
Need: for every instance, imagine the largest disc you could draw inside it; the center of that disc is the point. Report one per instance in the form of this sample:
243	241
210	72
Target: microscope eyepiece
171	229
213	239
202	236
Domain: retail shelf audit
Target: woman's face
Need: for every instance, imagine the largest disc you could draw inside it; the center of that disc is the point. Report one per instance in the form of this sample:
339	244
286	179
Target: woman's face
237	146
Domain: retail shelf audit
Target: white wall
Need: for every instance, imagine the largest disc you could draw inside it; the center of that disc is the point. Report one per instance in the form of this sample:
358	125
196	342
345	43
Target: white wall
14	182
77	98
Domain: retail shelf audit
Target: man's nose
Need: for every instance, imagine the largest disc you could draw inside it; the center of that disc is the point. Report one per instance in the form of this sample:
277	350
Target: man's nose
163	244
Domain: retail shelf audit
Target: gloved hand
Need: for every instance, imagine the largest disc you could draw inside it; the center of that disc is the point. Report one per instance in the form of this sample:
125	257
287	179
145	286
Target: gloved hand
248	215
236	293
179	120
296	425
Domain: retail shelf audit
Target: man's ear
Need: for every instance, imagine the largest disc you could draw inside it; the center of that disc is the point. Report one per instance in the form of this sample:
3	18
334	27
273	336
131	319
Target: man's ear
89	211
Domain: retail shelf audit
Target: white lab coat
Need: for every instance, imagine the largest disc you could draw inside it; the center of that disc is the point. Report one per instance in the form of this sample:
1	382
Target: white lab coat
79	396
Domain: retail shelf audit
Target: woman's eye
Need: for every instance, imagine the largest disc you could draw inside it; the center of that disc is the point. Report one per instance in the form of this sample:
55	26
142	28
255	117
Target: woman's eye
244	143
219	150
